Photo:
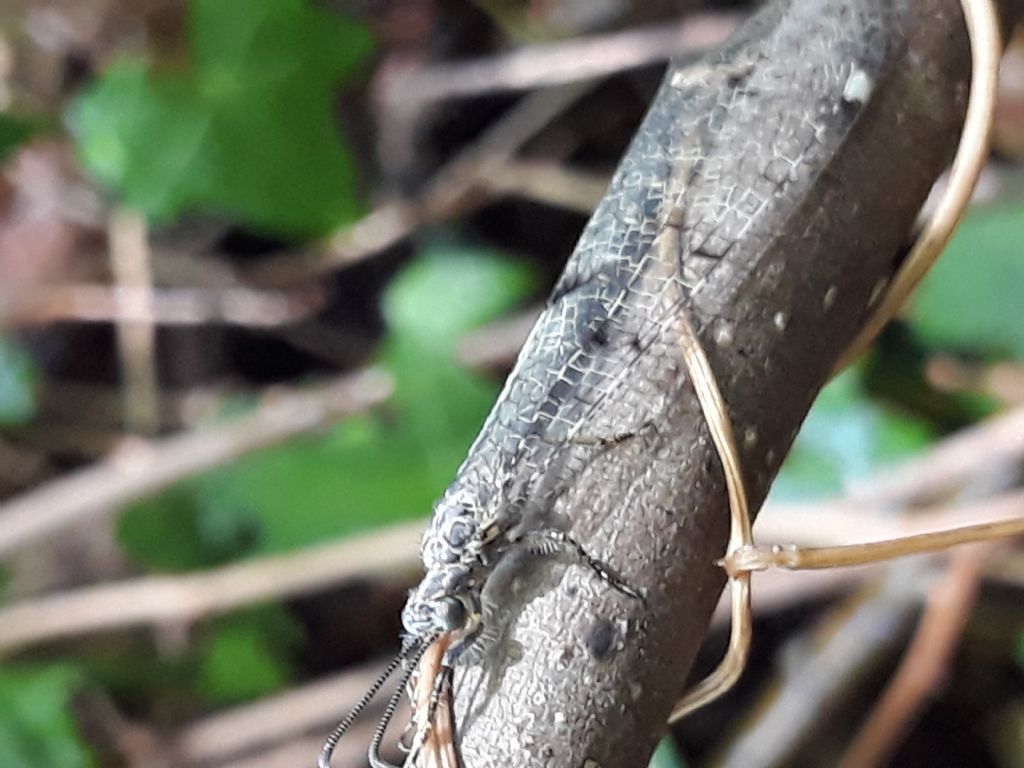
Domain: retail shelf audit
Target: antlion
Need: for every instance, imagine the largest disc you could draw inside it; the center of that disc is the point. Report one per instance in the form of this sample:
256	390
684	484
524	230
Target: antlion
598	382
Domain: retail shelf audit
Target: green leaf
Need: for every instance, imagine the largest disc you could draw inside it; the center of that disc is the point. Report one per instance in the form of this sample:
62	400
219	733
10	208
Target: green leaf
245	130
667	756
37	729
18	382
845	436
372	469
971	299
249	655
15	131
180	530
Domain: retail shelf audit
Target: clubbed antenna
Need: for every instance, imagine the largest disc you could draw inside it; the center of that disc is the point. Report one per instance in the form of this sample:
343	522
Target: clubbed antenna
416	648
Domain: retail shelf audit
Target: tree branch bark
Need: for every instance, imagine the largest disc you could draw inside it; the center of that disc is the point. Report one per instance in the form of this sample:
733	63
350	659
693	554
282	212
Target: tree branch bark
820	128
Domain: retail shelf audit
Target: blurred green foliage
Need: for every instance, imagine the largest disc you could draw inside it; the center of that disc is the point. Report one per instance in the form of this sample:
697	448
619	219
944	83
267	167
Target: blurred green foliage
363	472
845	436
15	130
971	300
18	382
245	129
667	756
368	470
249	654
37	728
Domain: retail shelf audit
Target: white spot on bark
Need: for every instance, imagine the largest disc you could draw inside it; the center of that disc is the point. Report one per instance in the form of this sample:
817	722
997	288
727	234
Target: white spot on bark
723	334
749	437
830	297
780	321
858	87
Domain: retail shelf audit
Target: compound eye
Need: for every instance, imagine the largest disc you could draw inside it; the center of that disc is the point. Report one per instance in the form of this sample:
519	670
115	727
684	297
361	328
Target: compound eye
451	613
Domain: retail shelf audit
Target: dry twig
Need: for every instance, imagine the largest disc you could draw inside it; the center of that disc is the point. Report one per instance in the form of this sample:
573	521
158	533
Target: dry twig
550	64
454	189
270	721
136	341
925	661
991	445
188	597
143	467
127	305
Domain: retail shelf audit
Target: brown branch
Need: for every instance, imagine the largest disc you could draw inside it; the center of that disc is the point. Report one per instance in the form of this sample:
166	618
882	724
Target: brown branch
992	445
805	115
251	727
136	342
452	191
163	306
156	600
548	183
546	65
843	649
143	467
924	663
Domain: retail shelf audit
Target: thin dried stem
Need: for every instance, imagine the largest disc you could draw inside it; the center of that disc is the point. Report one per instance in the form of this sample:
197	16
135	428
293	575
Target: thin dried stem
136	341
986	48
270	720
760	558
156	600
743	555
144	467
451	192
438	736
558	63
716	413
127	305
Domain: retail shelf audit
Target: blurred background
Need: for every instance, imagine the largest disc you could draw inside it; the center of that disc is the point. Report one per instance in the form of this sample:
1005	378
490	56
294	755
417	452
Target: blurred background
263	267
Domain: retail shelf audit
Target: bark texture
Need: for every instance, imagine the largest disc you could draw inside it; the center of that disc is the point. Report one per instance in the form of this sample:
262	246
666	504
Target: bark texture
802	152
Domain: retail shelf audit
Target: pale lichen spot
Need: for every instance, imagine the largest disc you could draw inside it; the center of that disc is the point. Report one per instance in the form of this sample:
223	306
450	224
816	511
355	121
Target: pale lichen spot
829	299
858	86
723	334
780	321
749	437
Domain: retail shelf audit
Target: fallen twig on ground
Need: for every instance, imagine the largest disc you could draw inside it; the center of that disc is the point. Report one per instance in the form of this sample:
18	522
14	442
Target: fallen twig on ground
188	597
166	306
925	661
136	341
143	467
548	64
272	720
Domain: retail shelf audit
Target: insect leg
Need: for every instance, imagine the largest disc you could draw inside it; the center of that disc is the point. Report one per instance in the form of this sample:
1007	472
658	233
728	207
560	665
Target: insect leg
559	543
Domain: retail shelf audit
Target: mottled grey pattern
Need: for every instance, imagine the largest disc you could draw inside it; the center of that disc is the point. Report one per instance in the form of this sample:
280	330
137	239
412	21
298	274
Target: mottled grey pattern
602	364
596	431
